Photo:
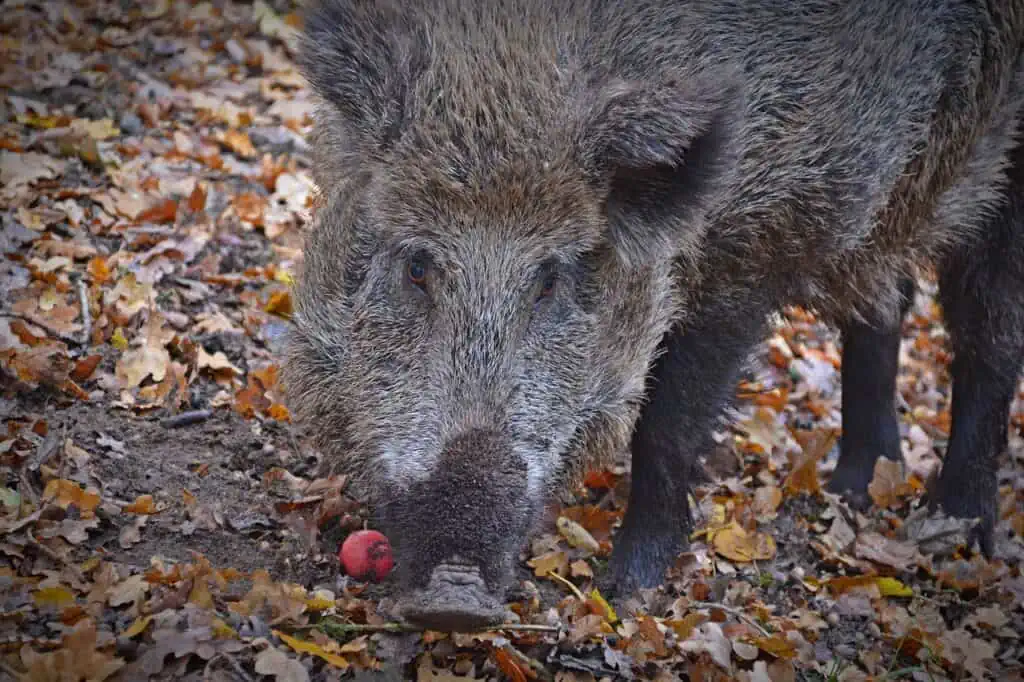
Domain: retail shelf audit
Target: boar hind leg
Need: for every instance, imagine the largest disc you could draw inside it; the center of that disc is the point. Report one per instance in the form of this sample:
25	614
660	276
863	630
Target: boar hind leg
691	381
870	426
982	295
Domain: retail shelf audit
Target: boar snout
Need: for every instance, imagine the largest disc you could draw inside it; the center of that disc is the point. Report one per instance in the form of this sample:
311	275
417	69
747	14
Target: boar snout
457	532
455	599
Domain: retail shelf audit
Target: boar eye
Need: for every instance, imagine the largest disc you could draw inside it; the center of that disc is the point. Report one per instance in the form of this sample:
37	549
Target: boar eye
416	269
547	285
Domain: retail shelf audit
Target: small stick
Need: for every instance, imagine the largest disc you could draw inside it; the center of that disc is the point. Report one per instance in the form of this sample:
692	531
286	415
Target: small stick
44	326
83	301
187	418
567	583
335	629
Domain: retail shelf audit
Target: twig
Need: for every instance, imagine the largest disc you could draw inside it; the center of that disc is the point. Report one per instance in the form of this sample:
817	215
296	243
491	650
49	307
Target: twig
567	583
335	629
187	418
735	612
83	301
44	326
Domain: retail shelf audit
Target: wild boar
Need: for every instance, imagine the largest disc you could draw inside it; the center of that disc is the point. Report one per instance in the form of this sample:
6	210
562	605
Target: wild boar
552	231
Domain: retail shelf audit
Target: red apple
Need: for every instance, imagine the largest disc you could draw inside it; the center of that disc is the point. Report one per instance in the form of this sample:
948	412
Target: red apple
366	555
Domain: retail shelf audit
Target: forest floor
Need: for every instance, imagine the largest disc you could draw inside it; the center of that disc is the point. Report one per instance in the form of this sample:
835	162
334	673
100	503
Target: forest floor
163	518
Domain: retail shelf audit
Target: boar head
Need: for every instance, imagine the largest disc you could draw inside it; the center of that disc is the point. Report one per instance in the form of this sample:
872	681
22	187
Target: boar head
495	259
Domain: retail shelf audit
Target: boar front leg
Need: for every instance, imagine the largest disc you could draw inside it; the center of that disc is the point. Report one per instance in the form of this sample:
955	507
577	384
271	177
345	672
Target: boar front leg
691	382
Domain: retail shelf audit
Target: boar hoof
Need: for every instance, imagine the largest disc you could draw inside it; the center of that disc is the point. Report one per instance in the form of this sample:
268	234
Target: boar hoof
850	479
456	599
969	499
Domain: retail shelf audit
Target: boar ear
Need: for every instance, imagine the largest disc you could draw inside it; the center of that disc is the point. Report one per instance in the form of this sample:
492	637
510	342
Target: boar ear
660	150
362	58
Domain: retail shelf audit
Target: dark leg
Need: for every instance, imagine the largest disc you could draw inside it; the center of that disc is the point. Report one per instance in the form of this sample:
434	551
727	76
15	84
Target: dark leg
689	385
982	295
870	426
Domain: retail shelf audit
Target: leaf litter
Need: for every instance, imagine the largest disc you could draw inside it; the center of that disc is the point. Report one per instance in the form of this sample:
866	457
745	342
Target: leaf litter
162	518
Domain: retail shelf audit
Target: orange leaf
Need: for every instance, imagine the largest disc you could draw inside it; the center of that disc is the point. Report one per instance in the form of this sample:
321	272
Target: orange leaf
238	141
267	376
249	207
85	367
804	475
163	212
197	199
280	304
143	504
279	412
509	665
98	269
66	493
24	334
600	480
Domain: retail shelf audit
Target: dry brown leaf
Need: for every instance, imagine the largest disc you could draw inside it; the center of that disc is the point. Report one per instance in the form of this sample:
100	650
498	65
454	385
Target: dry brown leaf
283	668
65	493
238	141
76	659
767	499
555	561
872	546
737	544
47	364
250	207
217	363
131	533
708	638
143	504
963	651
576	535
146	361
19	170
888	485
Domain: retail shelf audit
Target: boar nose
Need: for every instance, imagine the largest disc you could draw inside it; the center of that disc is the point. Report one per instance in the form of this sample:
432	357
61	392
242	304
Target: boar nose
455	600
457	531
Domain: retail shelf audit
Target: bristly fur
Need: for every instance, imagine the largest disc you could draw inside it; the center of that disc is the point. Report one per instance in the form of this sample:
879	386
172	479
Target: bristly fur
663	157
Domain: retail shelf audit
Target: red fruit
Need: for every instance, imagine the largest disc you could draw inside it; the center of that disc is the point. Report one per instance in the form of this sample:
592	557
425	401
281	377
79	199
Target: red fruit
366	555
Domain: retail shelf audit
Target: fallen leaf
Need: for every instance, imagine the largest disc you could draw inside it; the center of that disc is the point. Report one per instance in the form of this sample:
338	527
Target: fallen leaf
23	169
274	662
737	544
66	493
163	212
306	647
131	533
137	627
508	665
238	141
555	561
576	535
143	504
888	484
56	597
77	659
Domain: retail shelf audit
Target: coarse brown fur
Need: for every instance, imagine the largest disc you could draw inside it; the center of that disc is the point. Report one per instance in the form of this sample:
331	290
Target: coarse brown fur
678	169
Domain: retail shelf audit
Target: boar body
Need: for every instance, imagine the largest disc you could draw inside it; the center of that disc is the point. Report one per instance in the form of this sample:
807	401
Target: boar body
551	232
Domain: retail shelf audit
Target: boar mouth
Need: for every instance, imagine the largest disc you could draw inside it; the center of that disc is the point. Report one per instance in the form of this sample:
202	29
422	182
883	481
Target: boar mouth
456	599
